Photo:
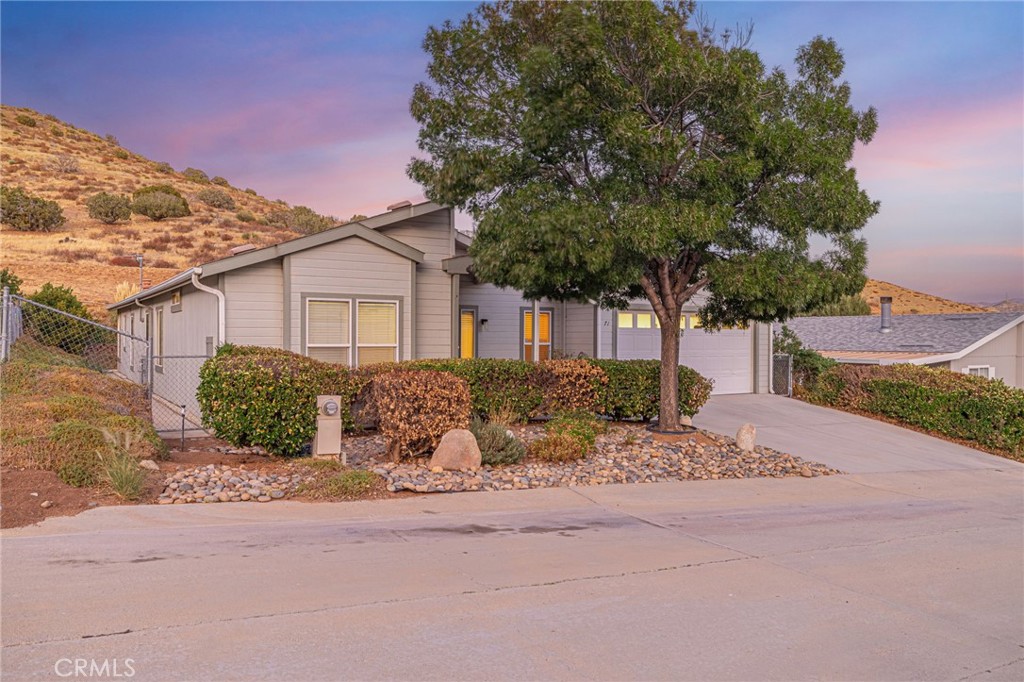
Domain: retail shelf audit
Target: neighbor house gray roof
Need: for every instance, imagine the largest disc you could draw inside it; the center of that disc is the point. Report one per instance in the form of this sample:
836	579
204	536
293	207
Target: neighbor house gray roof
925	336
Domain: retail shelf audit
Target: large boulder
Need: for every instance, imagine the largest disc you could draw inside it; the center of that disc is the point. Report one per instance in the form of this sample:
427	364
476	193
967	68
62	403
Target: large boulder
457	450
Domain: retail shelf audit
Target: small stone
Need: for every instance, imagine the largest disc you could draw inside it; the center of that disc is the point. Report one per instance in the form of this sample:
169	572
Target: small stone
745	437
806	472
34	494
277	494
149	464
166	500
46	504
436	470
246	497
263	498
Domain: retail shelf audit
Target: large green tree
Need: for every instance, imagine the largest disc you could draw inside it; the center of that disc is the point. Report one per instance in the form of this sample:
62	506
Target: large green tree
610	151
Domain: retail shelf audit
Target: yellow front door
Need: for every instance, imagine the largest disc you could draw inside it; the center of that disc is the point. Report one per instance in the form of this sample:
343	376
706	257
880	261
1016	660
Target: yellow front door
467	334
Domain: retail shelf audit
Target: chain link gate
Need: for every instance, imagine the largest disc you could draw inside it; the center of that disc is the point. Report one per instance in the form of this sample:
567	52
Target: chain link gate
782	374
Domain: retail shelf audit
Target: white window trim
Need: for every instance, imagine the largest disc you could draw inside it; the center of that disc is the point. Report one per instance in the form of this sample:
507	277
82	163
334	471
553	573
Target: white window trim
990	371
351	314
398	327
550	312
158	337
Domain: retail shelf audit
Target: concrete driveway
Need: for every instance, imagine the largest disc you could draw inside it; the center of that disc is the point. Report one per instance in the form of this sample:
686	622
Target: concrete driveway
892	573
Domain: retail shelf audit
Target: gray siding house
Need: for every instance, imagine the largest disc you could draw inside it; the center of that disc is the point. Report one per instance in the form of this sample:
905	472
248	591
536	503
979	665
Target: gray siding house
990	345
397	286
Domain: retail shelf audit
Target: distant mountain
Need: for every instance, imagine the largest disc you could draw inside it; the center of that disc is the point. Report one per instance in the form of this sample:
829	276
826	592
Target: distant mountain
909	302
55	160
1010	305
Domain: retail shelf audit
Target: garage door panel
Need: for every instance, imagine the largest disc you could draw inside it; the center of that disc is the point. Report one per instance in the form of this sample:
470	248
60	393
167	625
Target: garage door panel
724	356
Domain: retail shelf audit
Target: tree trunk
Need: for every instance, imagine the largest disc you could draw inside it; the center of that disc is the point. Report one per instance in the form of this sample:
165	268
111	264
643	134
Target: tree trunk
668	415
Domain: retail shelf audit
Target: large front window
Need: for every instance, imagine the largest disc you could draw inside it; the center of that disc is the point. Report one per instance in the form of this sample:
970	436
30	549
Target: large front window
331	325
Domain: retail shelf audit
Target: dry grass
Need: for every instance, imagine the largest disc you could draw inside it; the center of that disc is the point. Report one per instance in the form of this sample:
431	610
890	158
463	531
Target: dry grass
53	413
27	161
909	302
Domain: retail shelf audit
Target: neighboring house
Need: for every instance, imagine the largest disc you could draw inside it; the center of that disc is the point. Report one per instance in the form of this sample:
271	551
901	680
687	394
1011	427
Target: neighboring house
983	344
397	286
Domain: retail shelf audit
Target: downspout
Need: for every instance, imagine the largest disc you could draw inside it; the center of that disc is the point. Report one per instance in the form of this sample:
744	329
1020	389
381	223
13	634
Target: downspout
196	274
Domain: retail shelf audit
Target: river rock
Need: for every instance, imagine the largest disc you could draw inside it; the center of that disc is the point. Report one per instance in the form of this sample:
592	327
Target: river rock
745	437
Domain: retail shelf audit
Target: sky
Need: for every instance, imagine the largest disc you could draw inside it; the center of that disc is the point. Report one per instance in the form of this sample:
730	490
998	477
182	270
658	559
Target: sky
309	102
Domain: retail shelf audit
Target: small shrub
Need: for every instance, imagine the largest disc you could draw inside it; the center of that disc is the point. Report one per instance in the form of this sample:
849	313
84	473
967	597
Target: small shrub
109	208
349	483
163	167
22	211
152	189
557	448
123	261
162	263
121	154
301	219
111	139
633	390
79	470
56	131
11	281
218	180
508	385
53	329
25	120
123	474
415	408
159	206
497	446
196	175
63	163
245	216
582	426
250	190
216	198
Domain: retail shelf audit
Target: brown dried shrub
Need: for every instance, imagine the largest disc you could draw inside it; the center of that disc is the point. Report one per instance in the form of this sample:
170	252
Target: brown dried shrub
571	386
159	243
72	255
162	263
415	408
123	261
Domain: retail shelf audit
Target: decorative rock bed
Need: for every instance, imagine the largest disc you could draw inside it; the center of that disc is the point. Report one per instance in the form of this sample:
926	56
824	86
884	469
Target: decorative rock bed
627	455
225	484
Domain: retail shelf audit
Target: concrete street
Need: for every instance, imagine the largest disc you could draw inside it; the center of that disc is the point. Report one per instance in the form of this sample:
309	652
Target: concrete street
909	567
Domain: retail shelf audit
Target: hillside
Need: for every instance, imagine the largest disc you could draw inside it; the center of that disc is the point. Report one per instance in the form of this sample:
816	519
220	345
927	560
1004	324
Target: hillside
909	302
57	161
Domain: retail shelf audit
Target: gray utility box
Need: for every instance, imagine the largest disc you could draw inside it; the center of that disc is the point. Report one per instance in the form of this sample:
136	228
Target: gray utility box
328	425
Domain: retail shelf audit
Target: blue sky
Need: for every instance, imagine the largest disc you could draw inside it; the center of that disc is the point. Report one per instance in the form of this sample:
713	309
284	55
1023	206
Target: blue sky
308	102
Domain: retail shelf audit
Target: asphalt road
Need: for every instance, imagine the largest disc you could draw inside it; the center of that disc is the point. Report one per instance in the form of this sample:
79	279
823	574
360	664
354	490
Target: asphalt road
915	574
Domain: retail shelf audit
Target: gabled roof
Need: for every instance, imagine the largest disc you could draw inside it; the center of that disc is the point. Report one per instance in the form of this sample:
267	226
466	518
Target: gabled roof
920	339
364	229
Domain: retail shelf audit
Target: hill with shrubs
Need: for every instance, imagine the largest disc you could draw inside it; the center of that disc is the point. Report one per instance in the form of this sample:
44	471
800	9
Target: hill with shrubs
76	206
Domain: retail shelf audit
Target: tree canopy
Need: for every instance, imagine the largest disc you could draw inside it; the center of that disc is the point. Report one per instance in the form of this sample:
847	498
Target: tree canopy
610	151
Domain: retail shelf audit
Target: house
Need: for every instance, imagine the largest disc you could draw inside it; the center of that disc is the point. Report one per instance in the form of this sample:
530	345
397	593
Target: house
983	344
396	286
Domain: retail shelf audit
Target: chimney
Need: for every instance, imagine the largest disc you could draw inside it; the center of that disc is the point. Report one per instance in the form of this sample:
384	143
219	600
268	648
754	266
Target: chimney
886	314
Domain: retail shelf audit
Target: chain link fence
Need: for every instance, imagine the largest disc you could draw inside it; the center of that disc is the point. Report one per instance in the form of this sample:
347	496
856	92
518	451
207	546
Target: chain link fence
35	332
782	374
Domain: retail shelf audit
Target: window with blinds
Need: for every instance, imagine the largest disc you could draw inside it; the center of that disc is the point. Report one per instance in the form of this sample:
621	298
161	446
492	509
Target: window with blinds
377	332
544	333
467	333
328	330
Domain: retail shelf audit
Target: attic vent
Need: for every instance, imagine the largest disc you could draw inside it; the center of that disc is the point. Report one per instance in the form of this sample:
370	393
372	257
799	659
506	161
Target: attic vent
242	249
400	204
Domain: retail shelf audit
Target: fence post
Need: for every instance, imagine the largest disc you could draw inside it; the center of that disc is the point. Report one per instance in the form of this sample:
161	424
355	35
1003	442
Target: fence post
5	326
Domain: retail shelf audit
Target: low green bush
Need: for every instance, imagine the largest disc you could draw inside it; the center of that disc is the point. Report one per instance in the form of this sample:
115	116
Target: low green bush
568	436
947	403
222	181
245	216
122	473
20	210
109	208
216	198
163	167
267	397
25	120
160	205
497	446
196	175
808	364
494	385
633	390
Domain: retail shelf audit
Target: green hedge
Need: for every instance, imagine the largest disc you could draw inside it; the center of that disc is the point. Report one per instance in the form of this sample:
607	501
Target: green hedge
947	403
267	397
634	388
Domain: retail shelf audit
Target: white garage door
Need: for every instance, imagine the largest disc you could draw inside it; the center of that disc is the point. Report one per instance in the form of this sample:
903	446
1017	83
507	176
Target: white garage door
725	356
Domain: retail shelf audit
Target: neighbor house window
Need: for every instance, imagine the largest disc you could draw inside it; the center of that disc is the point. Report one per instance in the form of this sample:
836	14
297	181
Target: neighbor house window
696	322
377	332
643	320
328	330
544	343
625	320
986	371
